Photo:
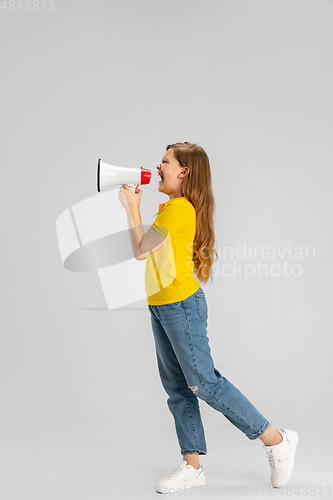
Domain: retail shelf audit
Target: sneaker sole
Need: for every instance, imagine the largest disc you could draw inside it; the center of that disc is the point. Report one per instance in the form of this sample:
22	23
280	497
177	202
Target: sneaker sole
201	481
293	439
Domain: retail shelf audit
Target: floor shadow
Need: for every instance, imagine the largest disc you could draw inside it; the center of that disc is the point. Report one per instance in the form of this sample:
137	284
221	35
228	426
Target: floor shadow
105	309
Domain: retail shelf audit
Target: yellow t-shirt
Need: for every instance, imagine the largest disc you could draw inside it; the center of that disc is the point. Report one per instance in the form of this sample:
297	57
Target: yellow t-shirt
169	269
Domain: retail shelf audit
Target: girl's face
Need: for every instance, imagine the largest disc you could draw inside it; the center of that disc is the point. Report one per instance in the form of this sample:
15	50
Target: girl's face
172	174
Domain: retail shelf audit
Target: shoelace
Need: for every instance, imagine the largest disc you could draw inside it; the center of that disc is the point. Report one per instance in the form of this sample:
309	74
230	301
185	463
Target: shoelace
178	470
271	459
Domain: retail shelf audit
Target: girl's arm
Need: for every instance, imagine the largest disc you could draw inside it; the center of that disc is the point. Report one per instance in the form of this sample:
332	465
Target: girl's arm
135	228
142	243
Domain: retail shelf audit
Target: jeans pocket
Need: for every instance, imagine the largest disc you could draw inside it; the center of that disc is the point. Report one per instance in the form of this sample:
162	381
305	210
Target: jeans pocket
202	306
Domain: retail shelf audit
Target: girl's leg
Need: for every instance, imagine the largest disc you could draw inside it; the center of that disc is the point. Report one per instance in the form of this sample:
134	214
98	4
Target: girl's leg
271	437
182	403
193	460
185	324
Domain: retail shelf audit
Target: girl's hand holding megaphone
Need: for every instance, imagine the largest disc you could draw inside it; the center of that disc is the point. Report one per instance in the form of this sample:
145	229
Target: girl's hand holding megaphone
128	198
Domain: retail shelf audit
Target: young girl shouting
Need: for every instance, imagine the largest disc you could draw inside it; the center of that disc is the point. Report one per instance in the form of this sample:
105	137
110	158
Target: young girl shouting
180	241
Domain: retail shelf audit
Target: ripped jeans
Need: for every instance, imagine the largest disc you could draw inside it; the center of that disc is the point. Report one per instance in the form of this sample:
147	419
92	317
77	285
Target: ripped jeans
187	373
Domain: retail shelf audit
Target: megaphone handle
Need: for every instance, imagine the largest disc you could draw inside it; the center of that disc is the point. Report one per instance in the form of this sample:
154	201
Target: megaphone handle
133	187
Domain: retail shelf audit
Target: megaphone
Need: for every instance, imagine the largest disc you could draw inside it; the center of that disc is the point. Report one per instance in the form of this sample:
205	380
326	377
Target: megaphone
110	175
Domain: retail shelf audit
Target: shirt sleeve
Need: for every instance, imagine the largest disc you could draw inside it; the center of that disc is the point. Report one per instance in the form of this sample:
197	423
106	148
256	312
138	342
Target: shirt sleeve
171	220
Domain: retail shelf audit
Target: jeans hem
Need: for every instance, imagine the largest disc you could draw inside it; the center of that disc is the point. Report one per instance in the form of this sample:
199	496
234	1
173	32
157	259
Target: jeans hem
192	451
260	431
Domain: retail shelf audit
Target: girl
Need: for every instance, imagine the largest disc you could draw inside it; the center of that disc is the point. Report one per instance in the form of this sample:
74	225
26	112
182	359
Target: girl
180	240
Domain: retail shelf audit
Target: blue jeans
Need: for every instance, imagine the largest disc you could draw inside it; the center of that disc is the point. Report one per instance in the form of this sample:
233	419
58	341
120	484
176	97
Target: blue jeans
187	373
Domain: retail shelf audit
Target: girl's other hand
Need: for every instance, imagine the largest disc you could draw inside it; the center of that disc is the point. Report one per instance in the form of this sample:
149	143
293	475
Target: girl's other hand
129	199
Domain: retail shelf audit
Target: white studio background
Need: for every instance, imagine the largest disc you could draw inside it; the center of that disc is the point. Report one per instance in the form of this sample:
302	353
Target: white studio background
83	411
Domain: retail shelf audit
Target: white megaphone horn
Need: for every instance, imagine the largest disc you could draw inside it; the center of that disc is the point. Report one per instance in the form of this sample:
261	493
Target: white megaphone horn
110	175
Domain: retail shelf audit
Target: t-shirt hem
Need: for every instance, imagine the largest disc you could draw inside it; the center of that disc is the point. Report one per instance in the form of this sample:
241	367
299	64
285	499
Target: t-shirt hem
161	303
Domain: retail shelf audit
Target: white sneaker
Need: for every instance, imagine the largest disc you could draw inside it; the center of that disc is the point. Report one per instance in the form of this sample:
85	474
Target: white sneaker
281	457
182	478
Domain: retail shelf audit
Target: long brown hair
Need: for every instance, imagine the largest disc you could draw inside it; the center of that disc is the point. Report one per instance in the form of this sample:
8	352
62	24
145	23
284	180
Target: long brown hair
197	188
